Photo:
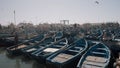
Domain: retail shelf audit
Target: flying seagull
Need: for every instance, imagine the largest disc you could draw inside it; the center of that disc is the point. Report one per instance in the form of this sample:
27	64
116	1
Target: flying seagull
96	2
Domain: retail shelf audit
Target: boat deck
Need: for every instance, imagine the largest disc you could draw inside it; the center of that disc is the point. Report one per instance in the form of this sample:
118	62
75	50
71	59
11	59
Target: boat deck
51	50
32	49
94	62
62	57
19	47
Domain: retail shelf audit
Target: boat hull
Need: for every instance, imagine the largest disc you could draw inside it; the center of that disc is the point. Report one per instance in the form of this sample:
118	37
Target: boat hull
16	49
42	54
70	57
97	56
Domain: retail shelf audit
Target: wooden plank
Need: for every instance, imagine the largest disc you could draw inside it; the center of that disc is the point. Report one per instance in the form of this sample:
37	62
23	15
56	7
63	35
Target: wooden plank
96	59
32	49
74	50
98	64
62	57
89	66
19	47
51	50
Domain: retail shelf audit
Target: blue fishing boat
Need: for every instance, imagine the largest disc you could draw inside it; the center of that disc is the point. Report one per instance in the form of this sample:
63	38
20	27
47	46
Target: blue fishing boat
6	42
44	43
58	35
16	49
98	56
116	38
69	55
95	35
41	54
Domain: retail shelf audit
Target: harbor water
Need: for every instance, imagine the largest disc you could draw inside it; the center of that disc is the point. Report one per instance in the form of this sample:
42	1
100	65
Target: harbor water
7	61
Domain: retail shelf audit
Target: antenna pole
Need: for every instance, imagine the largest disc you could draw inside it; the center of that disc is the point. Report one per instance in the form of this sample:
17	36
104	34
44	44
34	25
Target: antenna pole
16	35
14	18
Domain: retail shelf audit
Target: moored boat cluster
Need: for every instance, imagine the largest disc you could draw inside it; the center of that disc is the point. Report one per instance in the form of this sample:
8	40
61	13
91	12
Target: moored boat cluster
60	51
86	46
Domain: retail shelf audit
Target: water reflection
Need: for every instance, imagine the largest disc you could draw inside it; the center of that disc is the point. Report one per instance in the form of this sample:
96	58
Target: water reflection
7	61
17	64
2	49
38	65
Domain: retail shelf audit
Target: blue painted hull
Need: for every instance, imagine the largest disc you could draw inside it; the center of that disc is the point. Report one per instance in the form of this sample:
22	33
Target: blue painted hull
97	56
69	56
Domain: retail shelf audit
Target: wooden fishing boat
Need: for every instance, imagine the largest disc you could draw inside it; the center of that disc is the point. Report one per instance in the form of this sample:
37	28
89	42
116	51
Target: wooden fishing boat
58	35
16	49
116	38
42	54
98	56
4	42
44	43
69	55
95	35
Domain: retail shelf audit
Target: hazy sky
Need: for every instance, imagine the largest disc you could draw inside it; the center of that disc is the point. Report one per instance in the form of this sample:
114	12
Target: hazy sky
77	11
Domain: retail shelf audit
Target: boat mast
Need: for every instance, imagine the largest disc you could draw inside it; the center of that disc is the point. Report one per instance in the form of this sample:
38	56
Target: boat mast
14	18
16	35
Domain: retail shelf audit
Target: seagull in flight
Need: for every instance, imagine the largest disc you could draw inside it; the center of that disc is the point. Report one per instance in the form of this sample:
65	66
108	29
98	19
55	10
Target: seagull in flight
96	2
